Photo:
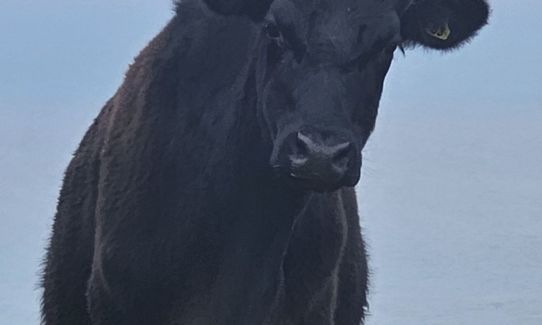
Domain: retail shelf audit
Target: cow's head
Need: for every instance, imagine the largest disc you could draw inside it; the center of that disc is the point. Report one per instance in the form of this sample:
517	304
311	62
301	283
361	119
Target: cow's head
320	69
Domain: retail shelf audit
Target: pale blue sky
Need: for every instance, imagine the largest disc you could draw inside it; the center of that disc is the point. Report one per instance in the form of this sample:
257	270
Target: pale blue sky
476	113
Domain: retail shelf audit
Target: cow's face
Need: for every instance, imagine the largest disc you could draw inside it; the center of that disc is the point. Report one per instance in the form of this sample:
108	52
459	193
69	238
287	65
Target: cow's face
320	73
320	69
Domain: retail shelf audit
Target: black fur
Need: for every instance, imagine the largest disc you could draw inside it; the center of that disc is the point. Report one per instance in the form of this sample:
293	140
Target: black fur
179	206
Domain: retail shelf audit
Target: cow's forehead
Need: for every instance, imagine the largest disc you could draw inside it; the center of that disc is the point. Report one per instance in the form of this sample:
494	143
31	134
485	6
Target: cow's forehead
337	7
339	27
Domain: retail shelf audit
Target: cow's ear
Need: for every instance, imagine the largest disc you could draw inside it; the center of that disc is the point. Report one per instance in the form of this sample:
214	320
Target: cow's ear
443	24
255	9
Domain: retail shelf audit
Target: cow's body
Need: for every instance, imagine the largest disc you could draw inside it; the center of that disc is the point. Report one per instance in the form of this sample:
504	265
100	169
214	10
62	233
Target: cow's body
169	213
203	236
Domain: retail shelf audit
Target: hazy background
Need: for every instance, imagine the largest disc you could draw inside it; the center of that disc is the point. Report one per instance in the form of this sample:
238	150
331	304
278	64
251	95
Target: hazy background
451	196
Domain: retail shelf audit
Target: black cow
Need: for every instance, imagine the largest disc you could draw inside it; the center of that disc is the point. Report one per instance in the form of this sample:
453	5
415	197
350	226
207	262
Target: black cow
215	187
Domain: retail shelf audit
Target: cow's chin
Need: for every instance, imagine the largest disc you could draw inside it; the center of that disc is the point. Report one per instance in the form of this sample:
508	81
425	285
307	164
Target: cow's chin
314	185
318	185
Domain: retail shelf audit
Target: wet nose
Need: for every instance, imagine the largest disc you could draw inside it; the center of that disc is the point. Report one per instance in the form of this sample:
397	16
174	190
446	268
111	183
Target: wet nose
318	159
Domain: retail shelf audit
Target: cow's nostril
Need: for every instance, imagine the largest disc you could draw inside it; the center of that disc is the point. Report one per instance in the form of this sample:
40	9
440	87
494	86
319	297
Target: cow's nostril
341	151
304	144
341	158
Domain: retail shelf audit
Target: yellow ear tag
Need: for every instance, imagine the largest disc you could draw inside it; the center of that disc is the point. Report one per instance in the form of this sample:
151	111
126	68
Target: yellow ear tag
442	33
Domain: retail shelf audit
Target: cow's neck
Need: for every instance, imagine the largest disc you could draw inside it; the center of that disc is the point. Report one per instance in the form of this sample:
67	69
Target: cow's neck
255	213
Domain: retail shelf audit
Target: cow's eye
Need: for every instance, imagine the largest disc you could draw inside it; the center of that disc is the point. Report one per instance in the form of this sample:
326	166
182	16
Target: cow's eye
277	44
272	31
